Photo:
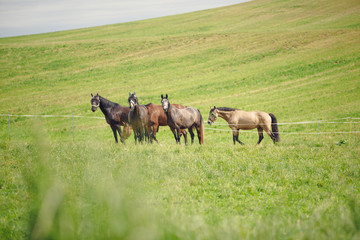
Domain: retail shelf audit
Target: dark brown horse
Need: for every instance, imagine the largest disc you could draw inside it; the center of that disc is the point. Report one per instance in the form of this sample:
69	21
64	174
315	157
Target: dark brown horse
139	119
115	115
239	119
184	118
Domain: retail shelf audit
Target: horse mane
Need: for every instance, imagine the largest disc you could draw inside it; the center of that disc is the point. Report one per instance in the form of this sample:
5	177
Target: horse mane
107	103
226	109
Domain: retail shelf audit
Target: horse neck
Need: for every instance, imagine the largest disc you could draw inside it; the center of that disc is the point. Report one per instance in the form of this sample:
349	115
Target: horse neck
106	105
135	110
224	114
171	110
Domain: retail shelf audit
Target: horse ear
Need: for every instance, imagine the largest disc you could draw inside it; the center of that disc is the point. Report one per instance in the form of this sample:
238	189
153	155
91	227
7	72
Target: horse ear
166	96
129	94
214	107
97	94
92	95
162	96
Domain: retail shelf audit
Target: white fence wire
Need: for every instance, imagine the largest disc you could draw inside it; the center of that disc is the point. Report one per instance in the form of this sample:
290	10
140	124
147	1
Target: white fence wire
333	121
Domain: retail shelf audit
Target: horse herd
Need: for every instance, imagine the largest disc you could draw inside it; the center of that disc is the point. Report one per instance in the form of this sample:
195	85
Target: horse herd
145	120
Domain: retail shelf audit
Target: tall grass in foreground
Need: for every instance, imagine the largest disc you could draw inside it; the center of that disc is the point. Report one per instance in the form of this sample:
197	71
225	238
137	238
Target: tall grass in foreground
93	190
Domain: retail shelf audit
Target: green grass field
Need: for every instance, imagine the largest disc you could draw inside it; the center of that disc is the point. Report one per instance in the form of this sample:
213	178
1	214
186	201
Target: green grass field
298	60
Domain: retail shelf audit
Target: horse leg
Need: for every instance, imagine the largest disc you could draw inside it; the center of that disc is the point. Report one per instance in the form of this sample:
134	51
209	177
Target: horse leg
236	136
198	133
142	134
118	128
154	130
261	135
126	132
113	128
174	132
192	135
140	137
149	134
136	134
179	134
270	133
185	136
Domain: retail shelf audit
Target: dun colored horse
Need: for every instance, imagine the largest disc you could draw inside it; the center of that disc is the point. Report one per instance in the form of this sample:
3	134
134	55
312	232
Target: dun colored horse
238	119
183	118
139	119
115	115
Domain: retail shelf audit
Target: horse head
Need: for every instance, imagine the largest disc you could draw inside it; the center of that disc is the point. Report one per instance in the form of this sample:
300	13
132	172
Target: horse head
165	102
95	102
133	100
212	115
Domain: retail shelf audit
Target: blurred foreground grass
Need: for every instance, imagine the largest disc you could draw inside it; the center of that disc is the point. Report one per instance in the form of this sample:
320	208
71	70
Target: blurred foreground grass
94	190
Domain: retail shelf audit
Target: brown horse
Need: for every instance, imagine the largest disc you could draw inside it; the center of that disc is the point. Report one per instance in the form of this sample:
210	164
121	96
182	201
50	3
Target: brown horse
238	119
184	118
139	119
115	115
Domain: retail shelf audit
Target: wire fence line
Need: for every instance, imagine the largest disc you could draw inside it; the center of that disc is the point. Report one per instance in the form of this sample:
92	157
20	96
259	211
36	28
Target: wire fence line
333	121
290	133
226	124
288	123
50	116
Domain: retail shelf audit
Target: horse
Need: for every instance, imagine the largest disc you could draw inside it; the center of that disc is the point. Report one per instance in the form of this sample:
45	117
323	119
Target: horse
184	118
157	118
115	115
139	119
239	119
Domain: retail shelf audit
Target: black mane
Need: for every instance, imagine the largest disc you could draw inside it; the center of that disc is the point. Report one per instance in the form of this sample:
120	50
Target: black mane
107	103
227	109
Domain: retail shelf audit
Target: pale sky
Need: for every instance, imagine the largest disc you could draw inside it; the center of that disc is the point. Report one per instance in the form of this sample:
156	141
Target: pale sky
23	17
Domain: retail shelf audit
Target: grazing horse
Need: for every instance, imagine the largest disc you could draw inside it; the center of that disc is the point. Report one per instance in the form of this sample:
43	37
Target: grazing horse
183	118
238	119
115	115
139	119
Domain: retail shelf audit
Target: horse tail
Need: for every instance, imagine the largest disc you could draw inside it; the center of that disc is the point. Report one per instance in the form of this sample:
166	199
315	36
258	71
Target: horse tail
202	130
126	131
274	127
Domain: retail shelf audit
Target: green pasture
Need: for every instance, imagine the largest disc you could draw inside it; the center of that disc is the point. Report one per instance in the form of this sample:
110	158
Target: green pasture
65	178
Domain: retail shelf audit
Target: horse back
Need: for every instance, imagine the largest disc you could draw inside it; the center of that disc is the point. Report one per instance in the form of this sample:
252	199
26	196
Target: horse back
185	117
124	113
252	119
118	115
157	114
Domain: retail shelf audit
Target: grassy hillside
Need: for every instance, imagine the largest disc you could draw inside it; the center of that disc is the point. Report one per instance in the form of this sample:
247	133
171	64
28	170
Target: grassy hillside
298	60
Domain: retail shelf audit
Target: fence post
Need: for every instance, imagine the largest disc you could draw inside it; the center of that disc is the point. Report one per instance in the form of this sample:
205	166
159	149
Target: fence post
354	129
73	128
9	124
